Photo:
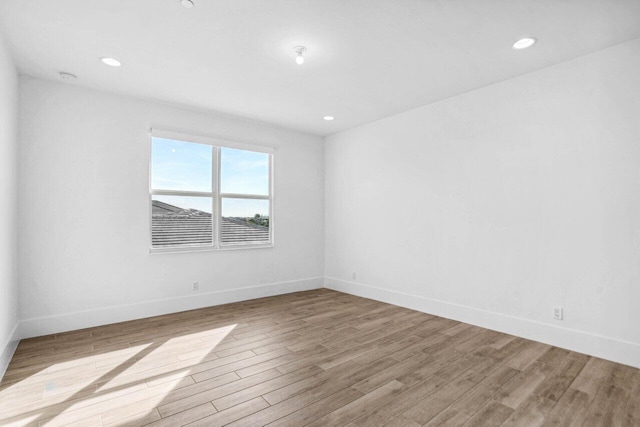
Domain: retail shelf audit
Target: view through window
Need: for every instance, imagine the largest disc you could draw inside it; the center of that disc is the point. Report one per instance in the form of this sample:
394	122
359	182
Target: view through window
205	195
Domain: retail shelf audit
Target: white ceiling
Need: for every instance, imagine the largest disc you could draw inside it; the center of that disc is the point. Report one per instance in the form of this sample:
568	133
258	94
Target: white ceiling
366	59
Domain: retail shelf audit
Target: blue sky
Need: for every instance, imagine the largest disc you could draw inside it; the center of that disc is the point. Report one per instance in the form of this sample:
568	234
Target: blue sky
178	165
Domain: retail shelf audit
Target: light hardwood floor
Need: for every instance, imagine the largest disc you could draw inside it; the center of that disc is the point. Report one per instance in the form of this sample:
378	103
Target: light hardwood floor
319	358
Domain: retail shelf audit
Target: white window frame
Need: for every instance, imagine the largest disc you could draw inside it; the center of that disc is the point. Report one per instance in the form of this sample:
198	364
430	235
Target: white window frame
216	196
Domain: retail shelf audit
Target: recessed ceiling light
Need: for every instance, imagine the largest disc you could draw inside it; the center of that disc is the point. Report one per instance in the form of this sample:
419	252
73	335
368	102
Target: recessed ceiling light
112	62
187	3
329	118
524	43
67	76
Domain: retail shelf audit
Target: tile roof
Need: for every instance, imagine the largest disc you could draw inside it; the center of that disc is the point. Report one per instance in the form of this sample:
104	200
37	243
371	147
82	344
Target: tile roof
174	226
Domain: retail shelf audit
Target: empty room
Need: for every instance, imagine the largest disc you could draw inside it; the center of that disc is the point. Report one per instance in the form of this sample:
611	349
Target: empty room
320	213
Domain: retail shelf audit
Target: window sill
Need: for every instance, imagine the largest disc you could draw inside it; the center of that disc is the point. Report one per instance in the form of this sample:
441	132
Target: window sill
174	250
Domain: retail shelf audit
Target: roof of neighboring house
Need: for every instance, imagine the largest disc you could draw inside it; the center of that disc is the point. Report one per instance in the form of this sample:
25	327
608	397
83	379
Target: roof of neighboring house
175	226
162	208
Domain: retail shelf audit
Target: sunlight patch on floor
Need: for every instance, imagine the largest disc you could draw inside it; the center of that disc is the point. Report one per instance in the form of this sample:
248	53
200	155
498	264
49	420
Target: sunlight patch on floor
114	386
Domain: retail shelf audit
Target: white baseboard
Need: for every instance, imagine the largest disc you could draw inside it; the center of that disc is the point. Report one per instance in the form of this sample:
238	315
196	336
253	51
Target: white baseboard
102	316
7	350
616	350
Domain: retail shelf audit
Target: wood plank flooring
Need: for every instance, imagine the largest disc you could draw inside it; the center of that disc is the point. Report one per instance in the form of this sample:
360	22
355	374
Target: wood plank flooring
317	358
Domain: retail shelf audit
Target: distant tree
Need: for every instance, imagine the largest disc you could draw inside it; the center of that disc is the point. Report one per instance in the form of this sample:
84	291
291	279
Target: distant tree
259	220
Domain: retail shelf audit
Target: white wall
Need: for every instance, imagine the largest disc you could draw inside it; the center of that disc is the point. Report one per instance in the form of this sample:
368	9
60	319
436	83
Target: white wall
8	206
84	225
496	205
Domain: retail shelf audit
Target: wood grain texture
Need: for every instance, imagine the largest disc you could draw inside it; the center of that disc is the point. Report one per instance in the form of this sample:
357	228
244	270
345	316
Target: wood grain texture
318	358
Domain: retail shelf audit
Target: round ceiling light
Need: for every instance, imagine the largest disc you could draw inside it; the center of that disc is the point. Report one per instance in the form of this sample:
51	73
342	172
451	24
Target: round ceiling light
329	118
112	62
187	3
524	43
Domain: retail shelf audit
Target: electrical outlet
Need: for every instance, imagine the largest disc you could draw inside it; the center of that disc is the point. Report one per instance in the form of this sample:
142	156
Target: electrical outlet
196	286
353	275
558	313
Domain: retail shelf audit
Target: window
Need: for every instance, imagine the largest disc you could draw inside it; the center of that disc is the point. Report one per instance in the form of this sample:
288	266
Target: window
209	194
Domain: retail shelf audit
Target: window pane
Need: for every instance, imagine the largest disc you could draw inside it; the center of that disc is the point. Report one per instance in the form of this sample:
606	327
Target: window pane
181	221
244	221
244	172
180	165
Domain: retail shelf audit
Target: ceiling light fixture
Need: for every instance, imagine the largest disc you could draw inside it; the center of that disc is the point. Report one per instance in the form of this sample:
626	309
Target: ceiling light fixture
112	62
67	76
524	43
328	118
299	50
187	3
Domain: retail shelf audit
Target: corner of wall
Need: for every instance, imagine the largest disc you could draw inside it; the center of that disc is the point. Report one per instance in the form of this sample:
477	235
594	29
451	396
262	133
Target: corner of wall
8	350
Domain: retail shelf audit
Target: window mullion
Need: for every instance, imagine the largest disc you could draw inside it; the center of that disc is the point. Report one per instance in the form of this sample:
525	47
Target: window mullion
215	186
